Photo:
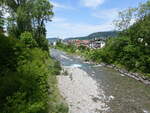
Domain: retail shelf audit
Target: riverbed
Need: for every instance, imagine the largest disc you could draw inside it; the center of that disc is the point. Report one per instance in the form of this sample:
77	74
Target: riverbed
90	88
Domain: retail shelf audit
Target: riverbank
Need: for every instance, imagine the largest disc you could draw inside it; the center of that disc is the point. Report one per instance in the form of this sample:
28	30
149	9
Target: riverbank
136	76
81	92
122	93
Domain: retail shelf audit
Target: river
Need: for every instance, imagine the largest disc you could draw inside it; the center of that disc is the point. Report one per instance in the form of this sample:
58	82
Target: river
122	94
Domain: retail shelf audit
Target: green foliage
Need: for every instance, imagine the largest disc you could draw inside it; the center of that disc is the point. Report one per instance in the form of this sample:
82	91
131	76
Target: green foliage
29	16
10	50
26	70
139	32
68	48
56	103
24	76
42	43
121	51
1	21
131	49
125	18
93	55
42	11
28	40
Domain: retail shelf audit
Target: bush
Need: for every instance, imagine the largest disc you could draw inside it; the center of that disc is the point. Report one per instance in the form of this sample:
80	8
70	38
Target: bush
27	38
24	78
10	50
42	43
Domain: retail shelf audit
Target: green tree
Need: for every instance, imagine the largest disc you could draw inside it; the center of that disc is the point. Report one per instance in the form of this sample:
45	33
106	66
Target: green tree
1	19
27	38
20	19
42	12
125	19
29	15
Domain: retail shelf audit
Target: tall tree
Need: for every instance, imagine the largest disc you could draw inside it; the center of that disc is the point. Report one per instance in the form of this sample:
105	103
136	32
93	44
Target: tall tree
1	18
1	22
31	16
42	12
128	17
19	19
125	19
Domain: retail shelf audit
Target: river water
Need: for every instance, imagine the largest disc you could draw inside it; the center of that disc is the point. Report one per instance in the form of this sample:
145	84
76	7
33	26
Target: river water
126	95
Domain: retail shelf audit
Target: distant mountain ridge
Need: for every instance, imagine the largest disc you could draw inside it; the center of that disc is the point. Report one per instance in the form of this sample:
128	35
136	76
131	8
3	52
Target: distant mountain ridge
102	35
53	39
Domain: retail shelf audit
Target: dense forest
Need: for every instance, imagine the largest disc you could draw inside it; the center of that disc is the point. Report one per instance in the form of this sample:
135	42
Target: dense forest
27	73
102	35
131	48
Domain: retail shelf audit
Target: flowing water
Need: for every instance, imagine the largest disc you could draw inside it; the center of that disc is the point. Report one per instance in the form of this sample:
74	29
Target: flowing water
125	94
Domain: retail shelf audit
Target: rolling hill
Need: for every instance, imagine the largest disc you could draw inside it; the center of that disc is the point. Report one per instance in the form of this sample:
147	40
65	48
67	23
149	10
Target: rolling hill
102	35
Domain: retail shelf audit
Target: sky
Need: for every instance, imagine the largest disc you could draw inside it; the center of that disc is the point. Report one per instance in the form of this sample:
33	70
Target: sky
73	18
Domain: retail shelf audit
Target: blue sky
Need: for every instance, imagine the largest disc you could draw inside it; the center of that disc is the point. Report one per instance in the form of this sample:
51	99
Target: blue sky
81	17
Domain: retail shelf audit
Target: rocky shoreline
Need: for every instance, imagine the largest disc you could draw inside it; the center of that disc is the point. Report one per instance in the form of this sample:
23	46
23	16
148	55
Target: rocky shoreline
81	92
135	76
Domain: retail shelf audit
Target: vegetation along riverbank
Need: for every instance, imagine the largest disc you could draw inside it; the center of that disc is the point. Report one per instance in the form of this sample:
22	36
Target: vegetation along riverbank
27	71
130	50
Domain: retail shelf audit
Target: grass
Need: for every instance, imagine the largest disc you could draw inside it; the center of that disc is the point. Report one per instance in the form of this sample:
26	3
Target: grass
56	103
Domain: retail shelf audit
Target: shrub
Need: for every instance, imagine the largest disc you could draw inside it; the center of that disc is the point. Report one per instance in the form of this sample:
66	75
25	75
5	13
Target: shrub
24	77
10	50
27	38
42	43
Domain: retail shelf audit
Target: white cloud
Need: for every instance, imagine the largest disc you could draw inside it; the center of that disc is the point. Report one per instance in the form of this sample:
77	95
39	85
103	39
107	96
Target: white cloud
65	29
58	19
61	6
92	3
109	14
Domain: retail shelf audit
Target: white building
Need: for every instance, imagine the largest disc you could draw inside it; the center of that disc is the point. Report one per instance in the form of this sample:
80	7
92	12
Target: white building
97	43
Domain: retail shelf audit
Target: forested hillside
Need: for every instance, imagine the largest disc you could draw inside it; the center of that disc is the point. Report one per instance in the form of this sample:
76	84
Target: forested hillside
27	73
102	35
106	34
